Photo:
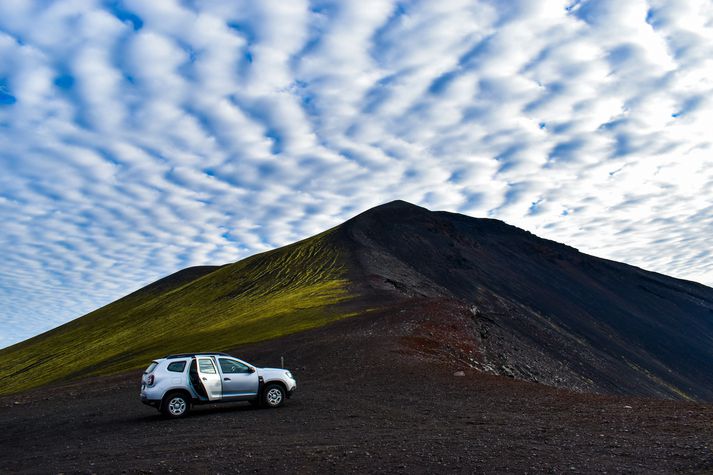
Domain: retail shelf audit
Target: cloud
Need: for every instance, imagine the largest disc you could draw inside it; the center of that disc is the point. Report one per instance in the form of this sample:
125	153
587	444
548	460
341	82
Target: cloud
138	138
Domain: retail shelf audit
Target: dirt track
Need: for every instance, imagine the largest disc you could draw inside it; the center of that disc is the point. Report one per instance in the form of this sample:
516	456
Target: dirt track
364	404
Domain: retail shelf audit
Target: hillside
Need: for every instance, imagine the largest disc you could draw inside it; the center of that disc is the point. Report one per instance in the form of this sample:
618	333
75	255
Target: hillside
479	294
264	296
543	311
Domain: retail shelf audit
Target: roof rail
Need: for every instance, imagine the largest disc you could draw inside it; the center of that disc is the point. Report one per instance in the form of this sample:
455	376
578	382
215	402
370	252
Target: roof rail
190	355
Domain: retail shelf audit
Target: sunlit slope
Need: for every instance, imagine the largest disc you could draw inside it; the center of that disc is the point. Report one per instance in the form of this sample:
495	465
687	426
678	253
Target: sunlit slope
265	296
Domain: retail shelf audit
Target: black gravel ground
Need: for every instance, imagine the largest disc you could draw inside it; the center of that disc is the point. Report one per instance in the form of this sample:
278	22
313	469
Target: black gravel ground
365	403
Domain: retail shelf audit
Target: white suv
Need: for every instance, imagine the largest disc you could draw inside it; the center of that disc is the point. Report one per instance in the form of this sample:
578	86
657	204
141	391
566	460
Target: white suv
172	384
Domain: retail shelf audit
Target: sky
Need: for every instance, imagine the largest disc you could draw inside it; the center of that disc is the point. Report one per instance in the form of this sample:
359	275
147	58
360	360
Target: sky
138	138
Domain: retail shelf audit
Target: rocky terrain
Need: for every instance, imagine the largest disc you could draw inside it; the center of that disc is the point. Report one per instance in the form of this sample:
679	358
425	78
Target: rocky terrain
536	309
368	401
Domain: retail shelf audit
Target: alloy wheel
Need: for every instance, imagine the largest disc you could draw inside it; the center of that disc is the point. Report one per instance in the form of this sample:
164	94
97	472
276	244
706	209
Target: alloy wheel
177	406
274	397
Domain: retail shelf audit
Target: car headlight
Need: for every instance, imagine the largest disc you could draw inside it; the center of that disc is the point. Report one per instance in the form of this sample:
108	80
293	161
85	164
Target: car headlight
289	375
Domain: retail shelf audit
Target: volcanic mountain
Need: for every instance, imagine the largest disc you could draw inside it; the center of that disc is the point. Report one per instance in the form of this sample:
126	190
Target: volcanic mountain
468	293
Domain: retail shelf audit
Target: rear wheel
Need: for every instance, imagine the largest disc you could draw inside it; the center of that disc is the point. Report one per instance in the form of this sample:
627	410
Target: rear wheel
175	405
273	396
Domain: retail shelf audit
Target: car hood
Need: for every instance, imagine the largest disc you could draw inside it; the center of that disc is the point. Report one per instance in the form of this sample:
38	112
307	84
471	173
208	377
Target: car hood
272	372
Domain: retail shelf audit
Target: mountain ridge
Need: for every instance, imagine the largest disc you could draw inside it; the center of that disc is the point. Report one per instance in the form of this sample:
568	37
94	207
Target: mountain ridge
631	345
519	306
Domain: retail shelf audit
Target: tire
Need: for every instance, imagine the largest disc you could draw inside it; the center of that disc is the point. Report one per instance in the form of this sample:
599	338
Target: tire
175	405
273	396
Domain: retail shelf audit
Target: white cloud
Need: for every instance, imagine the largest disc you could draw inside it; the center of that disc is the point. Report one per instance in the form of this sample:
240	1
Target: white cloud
137	138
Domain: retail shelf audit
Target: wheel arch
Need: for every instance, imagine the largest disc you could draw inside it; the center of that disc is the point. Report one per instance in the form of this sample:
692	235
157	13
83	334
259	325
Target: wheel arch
278	385
173	391
275	381
164	407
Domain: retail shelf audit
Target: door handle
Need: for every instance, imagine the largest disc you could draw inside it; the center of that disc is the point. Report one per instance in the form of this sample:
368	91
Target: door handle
205	379
226	379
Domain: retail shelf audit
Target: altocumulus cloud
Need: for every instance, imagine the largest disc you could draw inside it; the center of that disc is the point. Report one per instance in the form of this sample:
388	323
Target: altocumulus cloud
138	138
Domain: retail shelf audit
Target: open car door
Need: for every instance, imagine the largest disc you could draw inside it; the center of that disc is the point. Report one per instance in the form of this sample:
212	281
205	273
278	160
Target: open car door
209	378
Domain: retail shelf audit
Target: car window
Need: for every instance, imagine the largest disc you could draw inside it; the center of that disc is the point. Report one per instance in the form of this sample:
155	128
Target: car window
232	366
206	366
177	366
151	367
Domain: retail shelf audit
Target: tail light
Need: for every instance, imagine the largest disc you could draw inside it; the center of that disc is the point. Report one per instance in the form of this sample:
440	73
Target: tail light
150	379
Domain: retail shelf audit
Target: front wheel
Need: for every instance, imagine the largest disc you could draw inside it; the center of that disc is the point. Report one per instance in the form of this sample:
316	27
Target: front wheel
175	405
273	396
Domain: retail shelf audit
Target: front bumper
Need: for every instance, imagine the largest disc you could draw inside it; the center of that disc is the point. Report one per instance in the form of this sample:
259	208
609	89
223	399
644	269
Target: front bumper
291	390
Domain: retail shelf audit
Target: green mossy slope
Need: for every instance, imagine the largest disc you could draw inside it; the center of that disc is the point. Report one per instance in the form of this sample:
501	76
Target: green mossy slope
262	297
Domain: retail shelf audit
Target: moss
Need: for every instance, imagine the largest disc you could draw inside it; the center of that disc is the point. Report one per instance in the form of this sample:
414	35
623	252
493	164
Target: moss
262	297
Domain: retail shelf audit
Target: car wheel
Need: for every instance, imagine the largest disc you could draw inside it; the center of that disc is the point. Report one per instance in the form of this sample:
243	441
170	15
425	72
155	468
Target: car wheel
273	396
175	405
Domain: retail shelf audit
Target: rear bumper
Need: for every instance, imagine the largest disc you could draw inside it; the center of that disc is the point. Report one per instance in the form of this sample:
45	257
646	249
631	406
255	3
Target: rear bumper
150	402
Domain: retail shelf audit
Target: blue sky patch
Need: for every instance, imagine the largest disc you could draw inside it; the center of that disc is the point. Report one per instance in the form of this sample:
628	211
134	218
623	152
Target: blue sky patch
147	142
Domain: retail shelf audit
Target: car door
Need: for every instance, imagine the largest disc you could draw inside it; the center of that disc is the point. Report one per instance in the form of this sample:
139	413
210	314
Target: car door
209	378
239	380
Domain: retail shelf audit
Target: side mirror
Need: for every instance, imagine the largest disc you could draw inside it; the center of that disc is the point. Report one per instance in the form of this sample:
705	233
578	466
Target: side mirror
251	370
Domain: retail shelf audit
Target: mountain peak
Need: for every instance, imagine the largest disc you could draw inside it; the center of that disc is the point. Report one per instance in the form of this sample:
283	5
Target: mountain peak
397	206
392	211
